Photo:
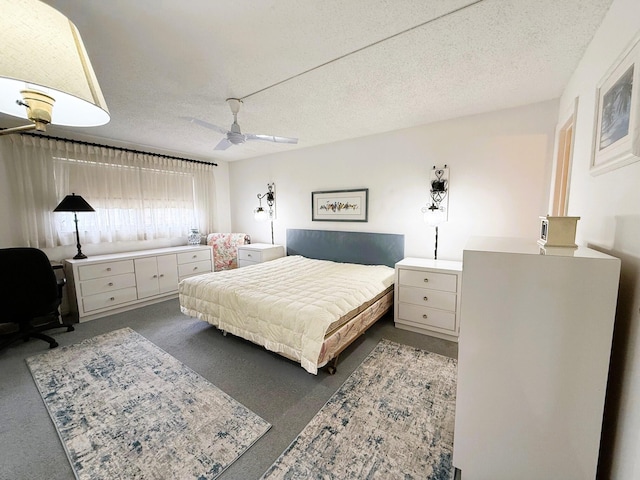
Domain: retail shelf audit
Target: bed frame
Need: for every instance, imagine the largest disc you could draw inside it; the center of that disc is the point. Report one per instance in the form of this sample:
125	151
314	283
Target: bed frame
350	247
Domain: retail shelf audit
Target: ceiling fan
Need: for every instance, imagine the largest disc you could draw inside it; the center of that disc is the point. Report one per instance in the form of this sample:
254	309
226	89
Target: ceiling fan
234	136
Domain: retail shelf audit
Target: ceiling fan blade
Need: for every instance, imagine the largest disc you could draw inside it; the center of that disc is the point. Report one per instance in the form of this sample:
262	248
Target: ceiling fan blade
208	125
270	138
223	144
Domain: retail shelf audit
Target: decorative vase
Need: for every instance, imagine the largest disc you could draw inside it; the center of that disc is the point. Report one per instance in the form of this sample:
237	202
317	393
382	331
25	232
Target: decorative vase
194	237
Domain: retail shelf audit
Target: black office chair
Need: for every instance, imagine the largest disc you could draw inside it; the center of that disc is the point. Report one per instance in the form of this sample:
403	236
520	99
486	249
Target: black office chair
30	294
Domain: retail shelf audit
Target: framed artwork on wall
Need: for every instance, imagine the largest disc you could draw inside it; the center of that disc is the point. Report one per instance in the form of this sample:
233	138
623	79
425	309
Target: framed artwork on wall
616	139
340	205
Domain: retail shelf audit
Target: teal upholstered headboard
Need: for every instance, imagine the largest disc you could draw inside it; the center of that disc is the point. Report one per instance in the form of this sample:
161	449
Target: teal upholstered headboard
348	247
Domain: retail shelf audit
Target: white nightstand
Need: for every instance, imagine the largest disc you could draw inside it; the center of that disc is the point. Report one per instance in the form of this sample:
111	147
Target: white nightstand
427	297
258	253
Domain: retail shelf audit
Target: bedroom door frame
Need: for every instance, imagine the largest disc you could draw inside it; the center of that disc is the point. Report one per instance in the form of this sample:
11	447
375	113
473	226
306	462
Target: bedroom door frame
565	135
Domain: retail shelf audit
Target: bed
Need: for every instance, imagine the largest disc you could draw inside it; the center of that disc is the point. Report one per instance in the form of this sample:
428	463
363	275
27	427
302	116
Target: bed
308	306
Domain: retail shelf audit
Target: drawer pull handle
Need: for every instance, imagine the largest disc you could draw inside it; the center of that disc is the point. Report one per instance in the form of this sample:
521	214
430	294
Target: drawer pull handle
108	269
161	275
425	316
112	298
426	280
249	255
195	268
194	256
155	276
110	284
426	299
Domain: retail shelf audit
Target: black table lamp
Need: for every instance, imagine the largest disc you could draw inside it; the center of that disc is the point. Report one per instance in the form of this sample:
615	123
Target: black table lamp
75	203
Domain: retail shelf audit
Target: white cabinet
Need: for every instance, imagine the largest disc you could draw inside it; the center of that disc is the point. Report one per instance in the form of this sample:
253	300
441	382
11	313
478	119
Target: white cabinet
106	284
257	253
156	275
427	296
533	359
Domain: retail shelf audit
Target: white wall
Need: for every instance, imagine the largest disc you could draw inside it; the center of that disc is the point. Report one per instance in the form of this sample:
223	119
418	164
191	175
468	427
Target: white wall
499	171
609	207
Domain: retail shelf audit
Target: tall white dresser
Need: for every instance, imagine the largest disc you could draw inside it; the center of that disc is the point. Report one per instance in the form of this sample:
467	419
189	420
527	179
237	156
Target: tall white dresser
533	357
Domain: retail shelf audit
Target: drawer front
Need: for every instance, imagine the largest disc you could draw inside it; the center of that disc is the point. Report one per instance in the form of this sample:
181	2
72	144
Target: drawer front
107	269
446	282
107	284
428	298
194	268
195	256
426	317
251	255
109	299
245	263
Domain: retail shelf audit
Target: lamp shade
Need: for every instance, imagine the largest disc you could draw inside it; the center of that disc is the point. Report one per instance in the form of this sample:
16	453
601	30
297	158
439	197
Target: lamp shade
73	203
42	52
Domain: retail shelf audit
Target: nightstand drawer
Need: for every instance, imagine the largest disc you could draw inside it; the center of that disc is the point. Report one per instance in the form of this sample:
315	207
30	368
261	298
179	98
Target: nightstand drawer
246	263
428	298
426	317
250	255
109	299
426	279
98	270
194	268
108	284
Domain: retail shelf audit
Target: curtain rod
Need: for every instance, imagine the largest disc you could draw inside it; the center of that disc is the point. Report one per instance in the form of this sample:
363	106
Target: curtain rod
122	149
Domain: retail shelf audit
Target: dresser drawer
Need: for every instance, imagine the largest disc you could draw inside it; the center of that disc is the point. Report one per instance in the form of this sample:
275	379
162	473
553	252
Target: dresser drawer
194	268
107	269
425	279
195	256
428	298
107	284
426	317
109	299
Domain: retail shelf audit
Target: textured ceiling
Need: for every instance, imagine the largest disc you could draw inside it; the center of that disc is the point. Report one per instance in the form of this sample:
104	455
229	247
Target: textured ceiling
322	71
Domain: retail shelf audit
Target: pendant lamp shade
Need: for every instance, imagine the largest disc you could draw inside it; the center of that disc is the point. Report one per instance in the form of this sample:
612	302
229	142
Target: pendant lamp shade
45	72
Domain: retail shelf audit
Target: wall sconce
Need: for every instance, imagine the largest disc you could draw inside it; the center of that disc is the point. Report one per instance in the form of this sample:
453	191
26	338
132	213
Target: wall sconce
437	211
260	214
43	63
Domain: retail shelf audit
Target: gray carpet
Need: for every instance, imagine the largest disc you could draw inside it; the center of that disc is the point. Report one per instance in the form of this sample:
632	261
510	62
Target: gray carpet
278	390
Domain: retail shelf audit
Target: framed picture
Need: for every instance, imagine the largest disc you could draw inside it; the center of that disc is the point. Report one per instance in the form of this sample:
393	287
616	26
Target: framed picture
617	119
340	205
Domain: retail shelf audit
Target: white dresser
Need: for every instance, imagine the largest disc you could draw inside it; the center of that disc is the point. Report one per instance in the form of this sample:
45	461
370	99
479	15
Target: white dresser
106	284
427	296
533	359
257	253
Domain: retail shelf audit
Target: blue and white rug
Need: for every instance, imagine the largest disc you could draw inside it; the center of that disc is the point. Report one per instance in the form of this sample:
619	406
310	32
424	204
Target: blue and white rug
124	408
393	418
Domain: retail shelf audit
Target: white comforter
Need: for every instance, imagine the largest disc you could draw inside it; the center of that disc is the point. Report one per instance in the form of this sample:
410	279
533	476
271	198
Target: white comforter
285	305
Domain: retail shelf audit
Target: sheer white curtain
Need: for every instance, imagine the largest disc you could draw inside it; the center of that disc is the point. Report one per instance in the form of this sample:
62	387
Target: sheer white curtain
136	196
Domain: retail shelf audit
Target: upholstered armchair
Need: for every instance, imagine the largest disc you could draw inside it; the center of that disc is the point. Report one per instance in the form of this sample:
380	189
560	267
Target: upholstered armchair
30	294
225	249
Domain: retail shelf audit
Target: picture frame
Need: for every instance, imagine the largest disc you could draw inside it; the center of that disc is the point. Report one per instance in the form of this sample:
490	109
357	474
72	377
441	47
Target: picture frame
616	139
340	205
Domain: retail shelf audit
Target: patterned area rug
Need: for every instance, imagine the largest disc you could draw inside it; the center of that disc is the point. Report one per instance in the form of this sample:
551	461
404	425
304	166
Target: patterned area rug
124	408
392	418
